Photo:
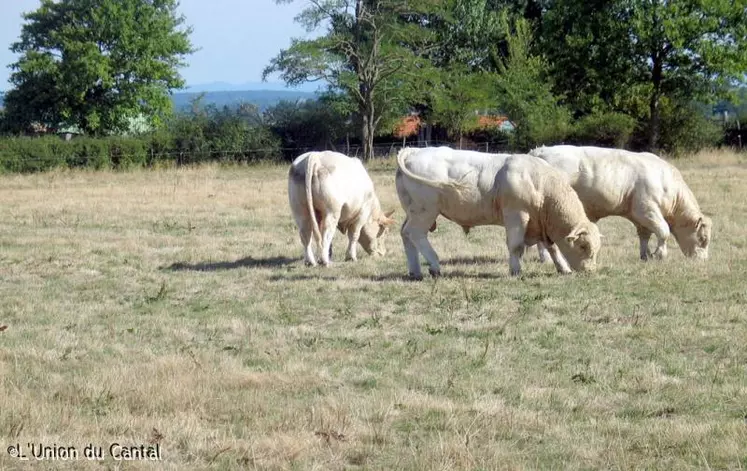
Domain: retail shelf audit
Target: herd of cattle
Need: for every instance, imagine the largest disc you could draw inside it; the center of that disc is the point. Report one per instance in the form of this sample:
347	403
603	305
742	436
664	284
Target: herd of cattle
551	197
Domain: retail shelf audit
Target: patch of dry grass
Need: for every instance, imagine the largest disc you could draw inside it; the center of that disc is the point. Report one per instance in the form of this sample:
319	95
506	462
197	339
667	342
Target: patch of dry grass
172	306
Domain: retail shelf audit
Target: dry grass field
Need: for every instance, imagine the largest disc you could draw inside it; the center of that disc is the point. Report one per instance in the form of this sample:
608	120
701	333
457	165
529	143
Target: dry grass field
172	307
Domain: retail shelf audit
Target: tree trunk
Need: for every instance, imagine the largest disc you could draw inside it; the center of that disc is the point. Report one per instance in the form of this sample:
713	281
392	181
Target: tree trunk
369	128
654	102
368	138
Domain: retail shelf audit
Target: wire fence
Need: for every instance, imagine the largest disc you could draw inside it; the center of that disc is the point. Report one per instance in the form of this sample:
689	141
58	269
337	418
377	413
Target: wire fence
192	156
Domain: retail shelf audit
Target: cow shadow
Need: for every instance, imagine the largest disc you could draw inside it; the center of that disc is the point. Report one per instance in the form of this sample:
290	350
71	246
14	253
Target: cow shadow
470	260
455	274
479	259
462	274
246	262
303	277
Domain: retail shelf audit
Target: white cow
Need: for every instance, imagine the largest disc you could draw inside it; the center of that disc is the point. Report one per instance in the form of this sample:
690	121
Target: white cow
522	193
329	190
640	187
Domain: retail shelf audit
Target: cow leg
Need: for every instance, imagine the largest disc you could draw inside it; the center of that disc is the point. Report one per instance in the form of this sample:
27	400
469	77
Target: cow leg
557	258
643	236
308	249
328	233
306	232
516	227
353	236
543	253
651	220
411	252
415	229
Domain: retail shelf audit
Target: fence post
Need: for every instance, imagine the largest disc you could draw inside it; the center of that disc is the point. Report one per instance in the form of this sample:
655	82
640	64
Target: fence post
487	147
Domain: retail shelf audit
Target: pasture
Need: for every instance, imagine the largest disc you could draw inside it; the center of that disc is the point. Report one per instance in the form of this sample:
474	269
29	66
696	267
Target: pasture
172	307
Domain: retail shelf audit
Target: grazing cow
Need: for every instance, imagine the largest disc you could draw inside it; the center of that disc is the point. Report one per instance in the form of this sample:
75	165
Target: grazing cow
640	187
522	193
328	190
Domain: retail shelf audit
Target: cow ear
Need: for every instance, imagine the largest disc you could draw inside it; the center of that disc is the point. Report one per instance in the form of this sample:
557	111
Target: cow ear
574	235
699	223
388	214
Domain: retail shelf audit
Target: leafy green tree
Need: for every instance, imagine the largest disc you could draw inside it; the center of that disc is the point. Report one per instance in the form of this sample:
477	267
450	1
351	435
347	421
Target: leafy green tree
469	34
369	53
688	49
588	53
525	91
457	98
616	51
4	125
97	63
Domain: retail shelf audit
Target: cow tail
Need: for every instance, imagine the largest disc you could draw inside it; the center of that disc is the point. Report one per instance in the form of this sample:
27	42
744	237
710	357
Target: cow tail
311	164
457	186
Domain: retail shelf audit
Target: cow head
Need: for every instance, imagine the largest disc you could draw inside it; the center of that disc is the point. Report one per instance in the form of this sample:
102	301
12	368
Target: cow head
581	246
372	234
694	237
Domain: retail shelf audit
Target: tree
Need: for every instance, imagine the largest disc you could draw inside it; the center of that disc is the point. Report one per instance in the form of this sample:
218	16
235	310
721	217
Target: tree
680	50
457	98
525	91
688	49
470	35
588	53
97	63
369	52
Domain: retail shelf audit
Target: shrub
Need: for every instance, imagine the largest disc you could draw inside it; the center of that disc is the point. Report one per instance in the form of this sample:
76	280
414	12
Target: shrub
127	152
685	129
735	134
205	134
26	155
160	147
608	129
90	152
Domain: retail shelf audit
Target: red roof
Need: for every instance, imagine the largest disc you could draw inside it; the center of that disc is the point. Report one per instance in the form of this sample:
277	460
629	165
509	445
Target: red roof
410	125
490	121
407	126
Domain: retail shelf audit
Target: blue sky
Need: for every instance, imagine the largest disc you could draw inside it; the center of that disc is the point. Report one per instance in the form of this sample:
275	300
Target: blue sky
236	38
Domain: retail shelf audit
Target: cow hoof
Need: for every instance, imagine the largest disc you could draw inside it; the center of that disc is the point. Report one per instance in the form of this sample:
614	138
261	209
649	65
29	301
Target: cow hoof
309	263
434	273
415	277
350	259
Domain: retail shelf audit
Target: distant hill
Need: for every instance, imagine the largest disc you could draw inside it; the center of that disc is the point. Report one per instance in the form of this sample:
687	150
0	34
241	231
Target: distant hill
262	98
240	87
